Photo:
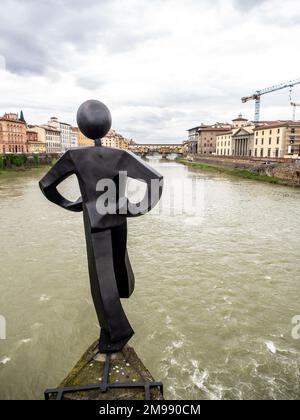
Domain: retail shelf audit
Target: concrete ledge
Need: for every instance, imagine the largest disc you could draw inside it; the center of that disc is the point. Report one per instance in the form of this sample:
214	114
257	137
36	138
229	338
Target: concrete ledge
125	366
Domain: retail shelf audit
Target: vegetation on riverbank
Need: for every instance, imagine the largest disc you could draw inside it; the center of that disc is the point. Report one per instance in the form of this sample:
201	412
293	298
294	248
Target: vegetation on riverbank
21	162
242	173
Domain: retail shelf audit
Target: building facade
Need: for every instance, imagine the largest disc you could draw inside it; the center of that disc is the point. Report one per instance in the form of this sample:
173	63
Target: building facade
34	145
191	147
74	137
224	143
238	141
115	140
268	139
83	141
242	142
202	139
207	138
53	140
280	139
65	133
50	137
12	134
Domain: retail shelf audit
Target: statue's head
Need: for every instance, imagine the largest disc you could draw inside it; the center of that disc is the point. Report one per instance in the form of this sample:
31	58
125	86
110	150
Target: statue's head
94	119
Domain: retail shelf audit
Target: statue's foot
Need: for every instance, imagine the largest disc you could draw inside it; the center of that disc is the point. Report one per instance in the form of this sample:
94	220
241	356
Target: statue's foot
107	346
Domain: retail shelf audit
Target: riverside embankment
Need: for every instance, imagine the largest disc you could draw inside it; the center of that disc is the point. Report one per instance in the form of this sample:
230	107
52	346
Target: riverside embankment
274	172
23	161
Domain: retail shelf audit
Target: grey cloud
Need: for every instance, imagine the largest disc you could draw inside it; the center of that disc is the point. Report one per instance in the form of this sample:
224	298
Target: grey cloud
90	83
277	18
245	5
36	35
159	117
282	21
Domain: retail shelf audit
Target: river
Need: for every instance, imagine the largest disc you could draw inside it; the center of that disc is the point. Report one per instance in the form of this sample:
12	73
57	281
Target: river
216	288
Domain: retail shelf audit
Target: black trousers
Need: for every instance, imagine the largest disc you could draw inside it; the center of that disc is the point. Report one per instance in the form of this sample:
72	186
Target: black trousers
111	278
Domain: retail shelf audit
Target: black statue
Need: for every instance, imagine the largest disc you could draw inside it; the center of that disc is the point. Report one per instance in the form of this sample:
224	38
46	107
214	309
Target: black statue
111	275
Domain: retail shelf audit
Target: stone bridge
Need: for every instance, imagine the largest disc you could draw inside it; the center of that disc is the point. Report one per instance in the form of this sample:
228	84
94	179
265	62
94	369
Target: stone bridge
162	149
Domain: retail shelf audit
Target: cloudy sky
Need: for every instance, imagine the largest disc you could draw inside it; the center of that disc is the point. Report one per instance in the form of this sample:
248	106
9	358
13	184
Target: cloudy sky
162	66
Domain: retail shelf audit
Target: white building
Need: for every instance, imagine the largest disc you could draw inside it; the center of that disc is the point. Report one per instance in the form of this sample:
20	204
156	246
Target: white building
74	137
238	141
65	133
50	136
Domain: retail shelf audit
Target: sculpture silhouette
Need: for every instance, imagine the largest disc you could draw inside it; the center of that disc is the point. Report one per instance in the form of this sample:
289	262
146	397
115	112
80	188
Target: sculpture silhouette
111	275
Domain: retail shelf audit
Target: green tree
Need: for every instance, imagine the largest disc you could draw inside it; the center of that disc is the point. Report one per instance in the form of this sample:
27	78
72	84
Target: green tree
22	117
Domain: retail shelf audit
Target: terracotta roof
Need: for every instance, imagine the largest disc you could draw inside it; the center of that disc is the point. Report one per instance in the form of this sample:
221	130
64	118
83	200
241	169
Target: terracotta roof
240	119
225	133
199	126
277	125
12	121
216	129
211	127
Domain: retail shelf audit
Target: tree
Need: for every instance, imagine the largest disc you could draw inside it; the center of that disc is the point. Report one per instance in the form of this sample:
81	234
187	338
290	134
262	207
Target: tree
22	117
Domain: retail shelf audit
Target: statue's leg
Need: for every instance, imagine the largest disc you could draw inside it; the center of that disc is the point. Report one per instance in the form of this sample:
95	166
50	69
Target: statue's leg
122	266
115	328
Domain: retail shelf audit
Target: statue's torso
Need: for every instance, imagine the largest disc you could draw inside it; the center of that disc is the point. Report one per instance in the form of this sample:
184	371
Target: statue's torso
96	164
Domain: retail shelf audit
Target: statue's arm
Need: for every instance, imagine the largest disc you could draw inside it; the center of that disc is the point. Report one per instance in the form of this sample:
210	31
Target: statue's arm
138	169
62	169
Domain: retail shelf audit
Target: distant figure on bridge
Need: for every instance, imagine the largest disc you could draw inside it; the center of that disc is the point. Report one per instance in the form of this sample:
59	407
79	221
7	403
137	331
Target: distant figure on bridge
100	173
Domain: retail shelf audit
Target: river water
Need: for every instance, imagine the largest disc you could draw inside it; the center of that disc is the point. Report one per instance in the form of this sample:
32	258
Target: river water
216	288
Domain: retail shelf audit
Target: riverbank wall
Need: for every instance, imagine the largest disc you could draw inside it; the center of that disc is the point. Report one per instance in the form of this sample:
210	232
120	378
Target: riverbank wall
279	171
107	381
19	161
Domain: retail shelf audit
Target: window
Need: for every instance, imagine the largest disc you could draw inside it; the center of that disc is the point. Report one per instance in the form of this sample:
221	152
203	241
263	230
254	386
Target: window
277	152
278	140
262	141
269	152
292	130
263	133
256	141
257	133
270	140
255	152
278	131
261	152
270	131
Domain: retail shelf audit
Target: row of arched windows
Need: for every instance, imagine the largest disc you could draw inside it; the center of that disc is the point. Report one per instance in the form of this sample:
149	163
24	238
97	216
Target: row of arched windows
14	128
15	138
13	148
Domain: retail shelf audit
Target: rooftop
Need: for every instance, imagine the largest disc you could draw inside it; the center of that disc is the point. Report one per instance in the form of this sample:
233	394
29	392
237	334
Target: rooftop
240	118
277	124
